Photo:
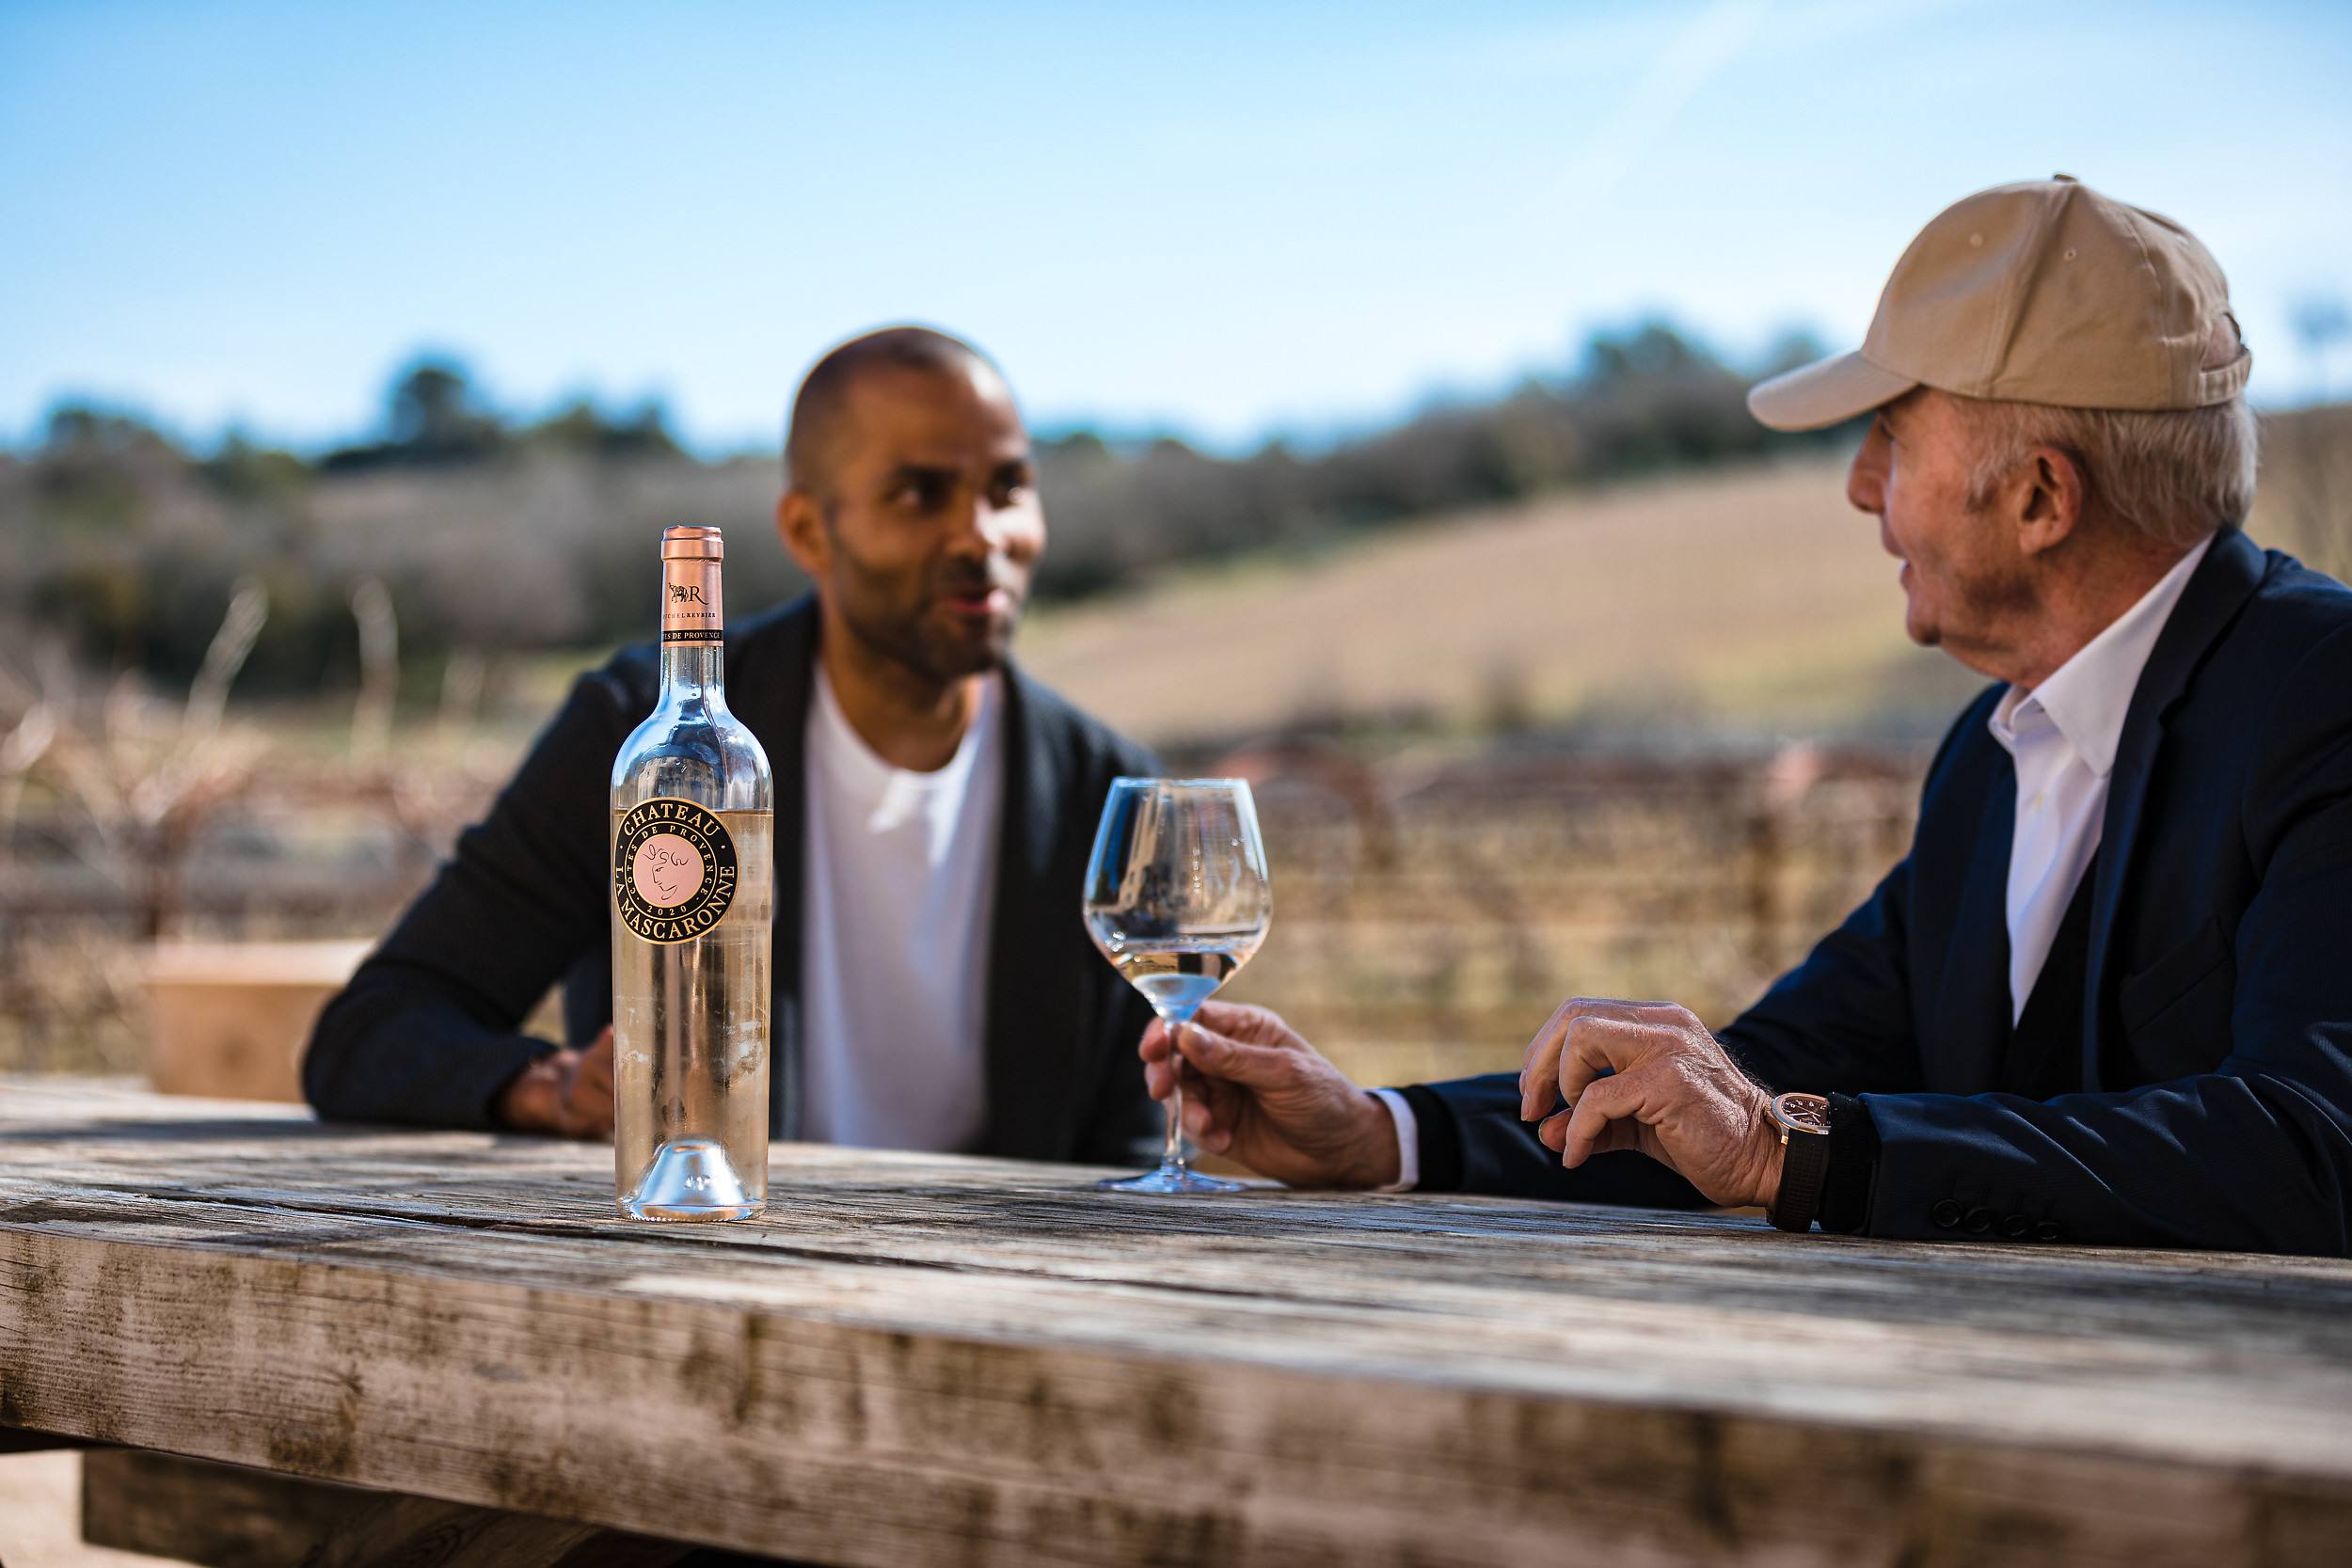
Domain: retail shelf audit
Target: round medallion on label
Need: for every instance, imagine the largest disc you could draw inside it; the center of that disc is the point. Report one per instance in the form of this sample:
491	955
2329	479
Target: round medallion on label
674	870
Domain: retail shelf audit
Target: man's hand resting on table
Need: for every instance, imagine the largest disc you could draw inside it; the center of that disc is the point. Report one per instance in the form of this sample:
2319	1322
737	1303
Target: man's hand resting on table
568	1092
1255	1091
1647	1075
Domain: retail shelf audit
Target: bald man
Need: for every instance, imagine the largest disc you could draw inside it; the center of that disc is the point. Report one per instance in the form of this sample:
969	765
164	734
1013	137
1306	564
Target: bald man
935	986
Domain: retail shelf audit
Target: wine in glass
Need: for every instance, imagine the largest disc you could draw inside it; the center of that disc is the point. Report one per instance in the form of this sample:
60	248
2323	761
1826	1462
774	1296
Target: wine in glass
1177	898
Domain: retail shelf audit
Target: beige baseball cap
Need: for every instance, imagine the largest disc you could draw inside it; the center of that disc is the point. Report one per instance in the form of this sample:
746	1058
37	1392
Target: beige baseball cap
2044	292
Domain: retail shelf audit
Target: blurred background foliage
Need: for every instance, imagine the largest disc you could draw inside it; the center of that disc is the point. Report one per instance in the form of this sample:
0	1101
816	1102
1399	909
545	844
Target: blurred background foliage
495	533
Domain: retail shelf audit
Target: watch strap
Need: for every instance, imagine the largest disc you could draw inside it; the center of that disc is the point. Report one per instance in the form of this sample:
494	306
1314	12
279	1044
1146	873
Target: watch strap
1804	1175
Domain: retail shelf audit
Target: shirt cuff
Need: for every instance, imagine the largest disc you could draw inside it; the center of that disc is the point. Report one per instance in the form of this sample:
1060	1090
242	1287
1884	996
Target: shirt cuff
1407	1142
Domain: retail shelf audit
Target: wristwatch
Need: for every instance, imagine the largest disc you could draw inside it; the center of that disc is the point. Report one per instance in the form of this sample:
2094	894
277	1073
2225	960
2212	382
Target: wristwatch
1803	1121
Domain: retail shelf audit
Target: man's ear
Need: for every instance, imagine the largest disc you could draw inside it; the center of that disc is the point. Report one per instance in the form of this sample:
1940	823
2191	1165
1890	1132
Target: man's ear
800	524
2050	504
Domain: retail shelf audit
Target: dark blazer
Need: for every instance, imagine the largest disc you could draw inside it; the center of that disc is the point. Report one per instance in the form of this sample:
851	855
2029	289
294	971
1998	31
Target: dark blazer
426	1030
2215	1040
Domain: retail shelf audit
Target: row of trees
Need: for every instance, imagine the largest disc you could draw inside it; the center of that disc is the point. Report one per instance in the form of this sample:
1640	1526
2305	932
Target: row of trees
492	533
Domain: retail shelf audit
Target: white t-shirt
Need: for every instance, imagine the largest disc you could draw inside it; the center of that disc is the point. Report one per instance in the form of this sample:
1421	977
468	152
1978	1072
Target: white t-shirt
899	883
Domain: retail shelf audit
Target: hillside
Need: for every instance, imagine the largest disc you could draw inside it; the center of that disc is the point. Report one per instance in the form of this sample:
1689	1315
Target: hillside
1752	600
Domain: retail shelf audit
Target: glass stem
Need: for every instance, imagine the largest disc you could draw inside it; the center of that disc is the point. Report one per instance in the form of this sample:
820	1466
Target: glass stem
1173	1157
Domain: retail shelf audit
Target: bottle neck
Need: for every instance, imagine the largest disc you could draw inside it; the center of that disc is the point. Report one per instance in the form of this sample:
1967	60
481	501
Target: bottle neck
693	672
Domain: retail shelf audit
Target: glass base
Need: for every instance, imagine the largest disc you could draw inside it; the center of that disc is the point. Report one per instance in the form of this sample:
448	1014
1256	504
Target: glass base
690	1180
1173	1179
679	1213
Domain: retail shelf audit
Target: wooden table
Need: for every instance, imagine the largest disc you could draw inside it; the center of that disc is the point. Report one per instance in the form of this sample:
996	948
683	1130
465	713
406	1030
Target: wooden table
934	1360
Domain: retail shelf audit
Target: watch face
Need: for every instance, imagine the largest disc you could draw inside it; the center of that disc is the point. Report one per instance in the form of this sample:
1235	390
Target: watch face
1803	1113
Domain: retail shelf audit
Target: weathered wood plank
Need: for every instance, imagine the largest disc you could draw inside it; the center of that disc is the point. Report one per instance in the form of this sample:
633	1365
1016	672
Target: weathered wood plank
17	1440
1987	1319
229	1516
221	1515
418	1532
929	1360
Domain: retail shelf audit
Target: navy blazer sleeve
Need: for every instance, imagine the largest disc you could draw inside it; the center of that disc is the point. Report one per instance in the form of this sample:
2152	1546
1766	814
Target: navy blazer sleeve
1843	1019
428	1029
2253	1155
1840	1020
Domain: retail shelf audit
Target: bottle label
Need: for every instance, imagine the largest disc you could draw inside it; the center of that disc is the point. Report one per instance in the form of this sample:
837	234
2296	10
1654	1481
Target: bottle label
690	603
673	872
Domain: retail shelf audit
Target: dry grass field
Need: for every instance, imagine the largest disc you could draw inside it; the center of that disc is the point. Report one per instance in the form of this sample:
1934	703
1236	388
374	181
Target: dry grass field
1750	601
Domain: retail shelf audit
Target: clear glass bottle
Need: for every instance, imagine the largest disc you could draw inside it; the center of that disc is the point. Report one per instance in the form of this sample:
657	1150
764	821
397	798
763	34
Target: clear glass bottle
693	911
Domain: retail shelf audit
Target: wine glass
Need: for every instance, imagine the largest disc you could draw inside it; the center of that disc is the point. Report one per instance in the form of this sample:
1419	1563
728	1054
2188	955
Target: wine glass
1177	898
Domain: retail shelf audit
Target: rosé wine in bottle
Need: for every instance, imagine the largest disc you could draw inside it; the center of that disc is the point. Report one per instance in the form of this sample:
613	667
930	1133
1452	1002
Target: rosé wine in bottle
693	905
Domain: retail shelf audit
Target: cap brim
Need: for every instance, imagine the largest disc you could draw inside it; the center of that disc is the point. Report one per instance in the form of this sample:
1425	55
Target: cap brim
1829	391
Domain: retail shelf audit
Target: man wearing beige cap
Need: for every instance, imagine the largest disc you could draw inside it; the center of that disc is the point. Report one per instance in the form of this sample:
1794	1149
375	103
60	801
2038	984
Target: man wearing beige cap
2107	996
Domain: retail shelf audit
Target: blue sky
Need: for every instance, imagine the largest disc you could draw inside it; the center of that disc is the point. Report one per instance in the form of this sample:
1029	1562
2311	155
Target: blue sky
1227	219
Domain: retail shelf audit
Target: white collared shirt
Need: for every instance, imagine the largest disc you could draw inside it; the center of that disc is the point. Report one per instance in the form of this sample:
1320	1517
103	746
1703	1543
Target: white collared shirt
897	890
2063	734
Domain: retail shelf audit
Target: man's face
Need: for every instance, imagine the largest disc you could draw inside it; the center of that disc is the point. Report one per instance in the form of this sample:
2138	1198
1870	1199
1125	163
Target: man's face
1963	575
931	528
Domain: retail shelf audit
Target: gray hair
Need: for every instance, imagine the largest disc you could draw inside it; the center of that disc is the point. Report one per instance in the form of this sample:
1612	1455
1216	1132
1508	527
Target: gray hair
2171	475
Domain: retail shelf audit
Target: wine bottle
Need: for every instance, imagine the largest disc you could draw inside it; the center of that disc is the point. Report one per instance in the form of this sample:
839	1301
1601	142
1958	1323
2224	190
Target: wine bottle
693	905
